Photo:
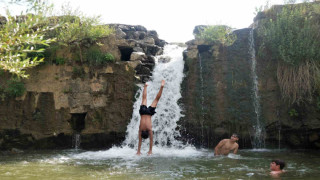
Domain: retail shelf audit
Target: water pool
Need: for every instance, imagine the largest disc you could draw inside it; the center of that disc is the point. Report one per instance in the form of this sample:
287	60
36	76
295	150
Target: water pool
188	163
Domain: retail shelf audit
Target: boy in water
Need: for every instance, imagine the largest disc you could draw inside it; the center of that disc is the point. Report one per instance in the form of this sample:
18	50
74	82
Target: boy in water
276	167
227	145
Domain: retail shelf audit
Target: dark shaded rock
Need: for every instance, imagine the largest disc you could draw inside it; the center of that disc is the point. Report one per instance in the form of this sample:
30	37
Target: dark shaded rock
151	59
141	69
3	20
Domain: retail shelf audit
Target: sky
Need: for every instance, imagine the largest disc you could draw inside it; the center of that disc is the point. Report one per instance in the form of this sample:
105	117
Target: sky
174	20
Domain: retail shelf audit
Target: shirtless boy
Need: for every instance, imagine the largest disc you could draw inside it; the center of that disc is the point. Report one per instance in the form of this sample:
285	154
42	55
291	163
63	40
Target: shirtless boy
276	167
227	145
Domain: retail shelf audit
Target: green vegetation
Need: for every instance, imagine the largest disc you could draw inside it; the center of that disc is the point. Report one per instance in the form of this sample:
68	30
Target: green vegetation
78	72
217	34
24	39
15	88
109	57
293	113
291	36
20	36
77	28
60	61
95	57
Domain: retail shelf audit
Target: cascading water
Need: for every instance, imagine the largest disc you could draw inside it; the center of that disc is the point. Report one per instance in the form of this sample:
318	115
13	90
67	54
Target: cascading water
259	132
76	141
168	112
202	99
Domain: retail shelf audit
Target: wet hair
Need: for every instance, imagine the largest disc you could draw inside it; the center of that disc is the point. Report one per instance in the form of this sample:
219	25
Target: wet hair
279	162
144	134
235	134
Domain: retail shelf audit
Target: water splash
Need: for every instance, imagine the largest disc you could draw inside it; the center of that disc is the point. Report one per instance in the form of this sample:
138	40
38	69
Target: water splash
164	122
259	132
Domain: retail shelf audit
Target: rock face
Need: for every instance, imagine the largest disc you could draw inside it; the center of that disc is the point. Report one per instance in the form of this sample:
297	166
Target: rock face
93	101
142	46
217	91
301	130
217	98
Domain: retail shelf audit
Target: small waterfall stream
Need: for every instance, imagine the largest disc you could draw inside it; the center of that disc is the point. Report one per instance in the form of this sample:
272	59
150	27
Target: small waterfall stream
259	132
202	98
76	141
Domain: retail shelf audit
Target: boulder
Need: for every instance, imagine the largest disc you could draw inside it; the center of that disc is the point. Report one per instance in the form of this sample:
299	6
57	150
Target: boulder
138	56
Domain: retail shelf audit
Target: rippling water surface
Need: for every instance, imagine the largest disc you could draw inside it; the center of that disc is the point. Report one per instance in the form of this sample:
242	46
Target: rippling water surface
187	163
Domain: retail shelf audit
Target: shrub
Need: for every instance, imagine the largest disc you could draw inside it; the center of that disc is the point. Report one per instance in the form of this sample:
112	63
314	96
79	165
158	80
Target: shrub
21	35
15	88
60	61
217	34
109	57
292	38
95	57
78	29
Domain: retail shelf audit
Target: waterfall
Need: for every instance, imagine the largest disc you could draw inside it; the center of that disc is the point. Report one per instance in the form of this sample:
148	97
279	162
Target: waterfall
168	112
76	141
202	98
259	132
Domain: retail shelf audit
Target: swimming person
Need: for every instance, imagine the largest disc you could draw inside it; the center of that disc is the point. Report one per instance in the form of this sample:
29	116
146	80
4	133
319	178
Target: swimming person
276	167
227	145
145	128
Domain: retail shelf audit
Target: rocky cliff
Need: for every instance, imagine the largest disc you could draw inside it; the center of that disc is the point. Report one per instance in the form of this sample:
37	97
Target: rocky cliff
218	98
217	91
78	98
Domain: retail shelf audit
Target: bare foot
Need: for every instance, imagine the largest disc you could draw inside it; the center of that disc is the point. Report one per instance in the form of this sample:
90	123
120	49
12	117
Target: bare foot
138	153
149	153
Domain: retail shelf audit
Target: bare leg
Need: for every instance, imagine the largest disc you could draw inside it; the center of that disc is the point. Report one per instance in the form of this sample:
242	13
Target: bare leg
144	95
156	100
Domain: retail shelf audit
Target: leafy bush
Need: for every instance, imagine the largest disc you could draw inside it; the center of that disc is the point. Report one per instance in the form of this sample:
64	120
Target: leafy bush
20	35
109	57
217	34
76	27
292	38
15	88
95	57
60	61
293	113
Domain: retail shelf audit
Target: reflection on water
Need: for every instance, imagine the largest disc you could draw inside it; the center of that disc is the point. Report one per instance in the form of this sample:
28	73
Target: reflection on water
189	163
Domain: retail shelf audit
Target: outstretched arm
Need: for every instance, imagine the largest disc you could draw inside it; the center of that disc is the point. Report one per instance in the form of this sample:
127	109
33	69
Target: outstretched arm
144	95
151	142
156	100
139	145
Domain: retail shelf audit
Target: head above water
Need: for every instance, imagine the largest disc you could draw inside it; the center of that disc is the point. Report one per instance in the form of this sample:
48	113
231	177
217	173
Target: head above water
235	137
144	134
281	164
